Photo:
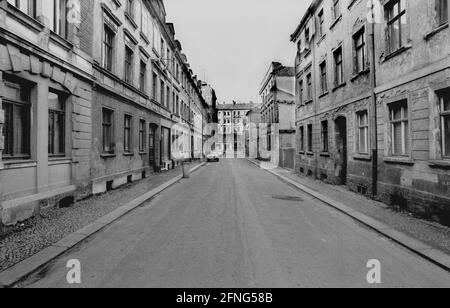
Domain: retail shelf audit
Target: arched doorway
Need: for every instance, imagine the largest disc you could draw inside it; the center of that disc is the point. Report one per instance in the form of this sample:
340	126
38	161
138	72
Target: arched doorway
341	150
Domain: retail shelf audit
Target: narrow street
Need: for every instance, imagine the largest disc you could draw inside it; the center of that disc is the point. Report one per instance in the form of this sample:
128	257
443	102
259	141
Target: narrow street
234	225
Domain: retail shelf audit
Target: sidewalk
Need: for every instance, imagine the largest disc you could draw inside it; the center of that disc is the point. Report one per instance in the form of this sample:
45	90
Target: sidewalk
424	235
55	224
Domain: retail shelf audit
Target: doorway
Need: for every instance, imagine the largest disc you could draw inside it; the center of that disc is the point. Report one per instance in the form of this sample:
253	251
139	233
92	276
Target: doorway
152	147
341	150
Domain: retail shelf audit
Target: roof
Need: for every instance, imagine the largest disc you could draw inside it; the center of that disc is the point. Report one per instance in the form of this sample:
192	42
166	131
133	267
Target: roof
304	20
235	107
285	71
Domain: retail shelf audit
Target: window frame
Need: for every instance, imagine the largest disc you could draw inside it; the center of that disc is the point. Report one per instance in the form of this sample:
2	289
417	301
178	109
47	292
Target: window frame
362	127
142	134
392	20
108	48
405	128
325	138
26	105
127	134
110	148
142	76
128	64
309	138
323	77
338	56
443	114
360	67
62	113
442	12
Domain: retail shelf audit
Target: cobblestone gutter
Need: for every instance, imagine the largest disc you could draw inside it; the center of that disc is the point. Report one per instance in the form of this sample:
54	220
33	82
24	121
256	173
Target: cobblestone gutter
53	224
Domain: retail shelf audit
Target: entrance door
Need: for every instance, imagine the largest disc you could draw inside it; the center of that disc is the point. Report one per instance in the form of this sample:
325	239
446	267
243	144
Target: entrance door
152	147
341	150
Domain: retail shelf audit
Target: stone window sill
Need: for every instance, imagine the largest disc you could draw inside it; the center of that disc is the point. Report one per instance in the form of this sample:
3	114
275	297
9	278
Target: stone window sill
397	53
143	153
108	155
324	94
59	160
128	154
325	154
366	157
339	86
445	164
399	160
131	20
302	152
18	163
310	153
335	22
435	31
362	73
309	102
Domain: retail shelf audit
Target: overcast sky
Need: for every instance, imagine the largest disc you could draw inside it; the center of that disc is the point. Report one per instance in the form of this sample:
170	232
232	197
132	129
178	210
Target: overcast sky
233	42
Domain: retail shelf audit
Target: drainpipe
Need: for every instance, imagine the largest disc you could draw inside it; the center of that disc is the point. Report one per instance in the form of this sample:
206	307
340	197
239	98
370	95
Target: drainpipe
373	83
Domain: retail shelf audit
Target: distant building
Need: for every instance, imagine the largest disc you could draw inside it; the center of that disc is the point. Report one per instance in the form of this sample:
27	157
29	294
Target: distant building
252	132
374	115
278	107
232	119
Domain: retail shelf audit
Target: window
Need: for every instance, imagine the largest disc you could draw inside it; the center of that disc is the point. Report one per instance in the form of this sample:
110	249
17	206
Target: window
162	95
167	97
60	24
359	42
310	138
442	11
301	90
336	9
396	15
324	126
143	76
16	130
323	78
26	6
107	125
177	110
307	38
154	86
338	67
445	120
321	24
163	49
127	134
128	64
399	128
302	139
362	130
56	124
309	87
108	48
142	126
129	9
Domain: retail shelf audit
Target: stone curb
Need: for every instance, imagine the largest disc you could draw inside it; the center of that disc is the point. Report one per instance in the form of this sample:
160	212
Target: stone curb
25	268
427	252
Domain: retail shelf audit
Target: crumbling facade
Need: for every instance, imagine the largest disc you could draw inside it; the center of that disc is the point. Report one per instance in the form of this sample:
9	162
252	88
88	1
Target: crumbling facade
372	100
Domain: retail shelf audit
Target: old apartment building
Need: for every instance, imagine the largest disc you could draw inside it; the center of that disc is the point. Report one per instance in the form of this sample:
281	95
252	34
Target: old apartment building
232	120
372	90
93	96
278	107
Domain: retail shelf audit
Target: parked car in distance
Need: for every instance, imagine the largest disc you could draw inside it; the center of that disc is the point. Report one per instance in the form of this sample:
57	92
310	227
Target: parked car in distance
213	157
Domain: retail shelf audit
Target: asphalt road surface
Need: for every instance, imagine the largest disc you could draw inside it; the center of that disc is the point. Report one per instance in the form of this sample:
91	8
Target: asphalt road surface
233	225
